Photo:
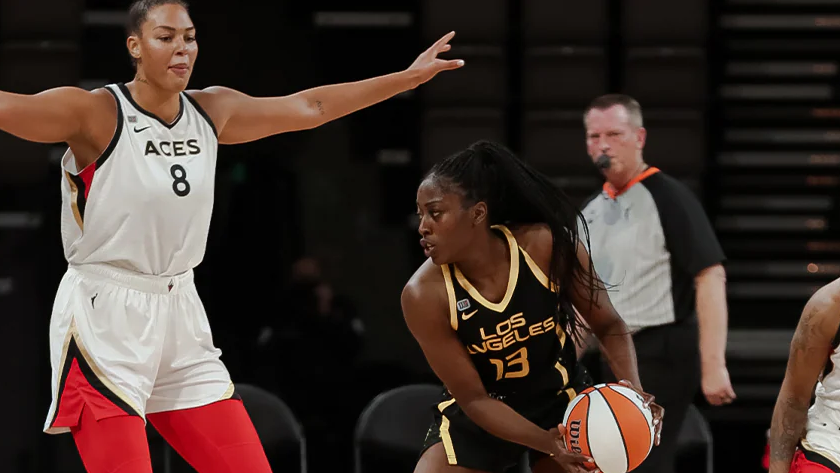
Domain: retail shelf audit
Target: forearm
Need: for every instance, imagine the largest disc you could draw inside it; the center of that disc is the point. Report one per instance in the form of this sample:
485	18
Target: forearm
712	318
500	420
617	346
787	429
331	102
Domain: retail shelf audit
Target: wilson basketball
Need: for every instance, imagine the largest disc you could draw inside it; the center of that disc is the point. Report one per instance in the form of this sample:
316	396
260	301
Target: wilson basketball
609	423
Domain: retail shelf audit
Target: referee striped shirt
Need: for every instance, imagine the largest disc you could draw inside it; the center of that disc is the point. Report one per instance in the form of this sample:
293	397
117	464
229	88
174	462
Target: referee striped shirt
648	242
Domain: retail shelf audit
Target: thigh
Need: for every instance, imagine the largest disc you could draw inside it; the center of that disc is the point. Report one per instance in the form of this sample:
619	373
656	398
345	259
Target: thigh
112	444
191	372
434	460
464	444
103	351
217	438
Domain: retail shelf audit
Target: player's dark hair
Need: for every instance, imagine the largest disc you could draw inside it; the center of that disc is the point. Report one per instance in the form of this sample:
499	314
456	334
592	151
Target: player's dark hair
138	13
515	193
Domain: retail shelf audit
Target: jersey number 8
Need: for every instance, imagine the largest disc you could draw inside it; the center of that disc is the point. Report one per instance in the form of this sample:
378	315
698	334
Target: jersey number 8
180	185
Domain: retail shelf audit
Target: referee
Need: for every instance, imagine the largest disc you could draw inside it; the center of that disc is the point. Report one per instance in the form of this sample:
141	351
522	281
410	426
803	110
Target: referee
652	243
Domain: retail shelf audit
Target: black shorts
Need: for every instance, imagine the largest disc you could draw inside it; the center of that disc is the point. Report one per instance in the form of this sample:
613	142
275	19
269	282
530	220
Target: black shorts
468	445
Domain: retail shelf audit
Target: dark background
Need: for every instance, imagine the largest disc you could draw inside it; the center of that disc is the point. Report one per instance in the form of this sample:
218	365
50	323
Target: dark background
740	101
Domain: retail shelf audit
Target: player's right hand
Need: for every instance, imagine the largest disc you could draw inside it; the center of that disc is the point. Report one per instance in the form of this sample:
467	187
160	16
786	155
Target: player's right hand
570	461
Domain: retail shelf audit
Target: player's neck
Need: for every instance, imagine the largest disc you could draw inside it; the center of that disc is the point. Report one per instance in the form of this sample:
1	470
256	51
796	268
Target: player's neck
155	100
485	256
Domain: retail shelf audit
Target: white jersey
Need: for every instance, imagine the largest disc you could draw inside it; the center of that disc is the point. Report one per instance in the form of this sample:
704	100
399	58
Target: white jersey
145	204
823	429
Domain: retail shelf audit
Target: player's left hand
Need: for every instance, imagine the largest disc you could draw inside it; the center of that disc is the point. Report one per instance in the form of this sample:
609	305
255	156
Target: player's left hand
569	462
428	64
655	409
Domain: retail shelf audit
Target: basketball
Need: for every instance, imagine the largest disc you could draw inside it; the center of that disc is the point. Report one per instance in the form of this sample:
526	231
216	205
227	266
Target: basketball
609	423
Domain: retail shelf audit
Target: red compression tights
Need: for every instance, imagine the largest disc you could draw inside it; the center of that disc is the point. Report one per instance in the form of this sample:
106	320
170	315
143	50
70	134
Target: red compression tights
217	438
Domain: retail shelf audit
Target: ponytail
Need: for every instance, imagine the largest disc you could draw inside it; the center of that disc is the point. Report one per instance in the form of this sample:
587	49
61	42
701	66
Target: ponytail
517	194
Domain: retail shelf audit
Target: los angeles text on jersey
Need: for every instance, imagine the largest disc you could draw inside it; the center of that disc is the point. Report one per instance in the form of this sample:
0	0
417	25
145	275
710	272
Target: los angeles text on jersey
511	332
173	148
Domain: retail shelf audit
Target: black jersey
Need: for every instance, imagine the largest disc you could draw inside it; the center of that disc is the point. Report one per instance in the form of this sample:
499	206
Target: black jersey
519	346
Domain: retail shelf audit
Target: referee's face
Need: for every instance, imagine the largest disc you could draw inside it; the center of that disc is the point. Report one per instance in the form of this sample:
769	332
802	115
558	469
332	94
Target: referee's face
610	133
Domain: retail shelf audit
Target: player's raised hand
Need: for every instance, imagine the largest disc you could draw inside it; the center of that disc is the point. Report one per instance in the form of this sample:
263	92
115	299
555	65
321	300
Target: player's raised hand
428	64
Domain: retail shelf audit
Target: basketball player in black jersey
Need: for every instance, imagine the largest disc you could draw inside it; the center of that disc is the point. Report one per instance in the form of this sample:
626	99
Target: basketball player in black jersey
498	235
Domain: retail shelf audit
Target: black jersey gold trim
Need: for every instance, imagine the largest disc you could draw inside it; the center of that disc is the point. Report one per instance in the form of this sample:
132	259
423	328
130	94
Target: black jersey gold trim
518	345
445	437
513	275
537	271
450	292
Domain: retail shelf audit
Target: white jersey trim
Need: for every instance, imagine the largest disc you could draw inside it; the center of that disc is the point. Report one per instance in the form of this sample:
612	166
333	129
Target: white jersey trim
203	113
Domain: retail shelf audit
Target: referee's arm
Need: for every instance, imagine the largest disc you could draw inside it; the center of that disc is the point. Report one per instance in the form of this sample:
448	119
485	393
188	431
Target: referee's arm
713	322
695	249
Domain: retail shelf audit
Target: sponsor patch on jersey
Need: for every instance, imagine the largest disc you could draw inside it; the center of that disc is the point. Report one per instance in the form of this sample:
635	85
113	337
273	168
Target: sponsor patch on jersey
463	304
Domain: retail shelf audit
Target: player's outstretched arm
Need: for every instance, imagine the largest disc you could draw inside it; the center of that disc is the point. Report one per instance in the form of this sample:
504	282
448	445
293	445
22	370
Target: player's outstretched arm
426	313
809	352
53	116
240	118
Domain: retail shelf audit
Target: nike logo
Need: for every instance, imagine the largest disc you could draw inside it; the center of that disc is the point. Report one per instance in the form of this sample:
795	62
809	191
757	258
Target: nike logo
93	299
138	130
465	316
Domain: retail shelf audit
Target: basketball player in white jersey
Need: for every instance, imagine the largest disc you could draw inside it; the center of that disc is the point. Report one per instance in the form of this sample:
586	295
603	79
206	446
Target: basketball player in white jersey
805	437
129	336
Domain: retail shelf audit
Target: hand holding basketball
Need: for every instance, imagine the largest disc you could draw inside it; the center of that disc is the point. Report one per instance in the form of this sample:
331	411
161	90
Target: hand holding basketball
572	462
613	424
655	409
427	64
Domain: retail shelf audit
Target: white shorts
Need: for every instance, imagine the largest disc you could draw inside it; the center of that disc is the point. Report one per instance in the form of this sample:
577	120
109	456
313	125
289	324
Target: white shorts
822	434
127	343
